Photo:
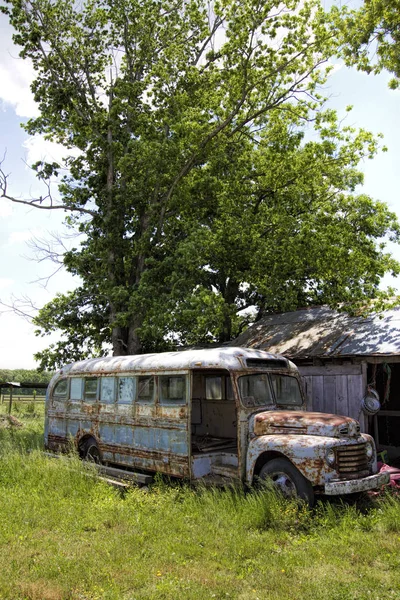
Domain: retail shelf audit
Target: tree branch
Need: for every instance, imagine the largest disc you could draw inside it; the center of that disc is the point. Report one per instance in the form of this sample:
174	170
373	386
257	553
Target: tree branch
38	202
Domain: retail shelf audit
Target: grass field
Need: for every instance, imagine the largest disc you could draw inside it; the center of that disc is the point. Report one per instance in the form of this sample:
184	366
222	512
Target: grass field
64	535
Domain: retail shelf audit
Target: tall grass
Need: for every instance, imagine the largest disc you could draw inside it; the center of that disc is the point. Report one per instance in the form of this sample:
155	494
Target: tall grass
66	535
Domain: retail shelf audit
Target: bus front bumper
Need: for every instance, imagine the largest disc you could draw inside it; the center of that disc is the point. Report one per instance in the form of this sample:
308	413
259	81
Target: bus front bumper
372	482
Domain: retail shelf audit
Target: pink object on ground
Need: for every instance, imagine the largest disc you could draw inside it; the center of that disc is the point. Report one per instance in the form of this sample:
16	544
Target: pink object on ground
393	472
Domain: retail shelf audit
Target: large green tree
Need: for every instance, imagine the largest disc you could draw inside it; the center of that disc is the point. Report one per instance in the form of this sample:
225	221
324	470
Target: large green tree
371	36
209	177
289	231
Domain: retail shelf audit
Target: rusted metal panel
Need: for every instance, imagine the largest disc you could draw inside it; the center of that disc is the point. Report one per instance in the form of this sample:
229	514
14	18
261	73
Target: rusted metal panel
372	482
312	423
221	463
219	358
307	453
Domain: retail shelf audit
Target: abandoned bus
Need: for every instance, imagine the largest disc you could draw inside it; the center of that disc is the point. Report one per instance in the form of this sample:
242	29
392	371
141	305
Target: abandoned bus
220	414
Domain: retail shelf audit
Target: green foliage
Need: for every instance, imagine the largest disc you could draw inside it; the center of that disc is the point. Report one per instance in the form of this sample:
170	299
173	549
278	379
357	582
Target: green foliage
27	376
210	178
371	37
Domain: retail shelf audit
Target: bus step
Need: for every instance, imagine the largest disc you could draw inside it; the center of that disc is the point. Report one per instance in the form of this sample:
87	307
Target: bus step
224	470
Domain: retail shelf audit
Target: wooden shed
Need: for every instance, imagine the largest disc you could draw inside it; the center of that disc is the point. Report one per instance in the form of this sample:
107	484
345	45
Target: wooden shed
341	358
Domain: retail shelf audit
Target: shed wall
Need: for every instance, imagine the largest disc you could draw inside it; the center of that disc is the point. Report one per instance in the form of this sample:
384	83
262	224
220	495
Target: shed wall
336	389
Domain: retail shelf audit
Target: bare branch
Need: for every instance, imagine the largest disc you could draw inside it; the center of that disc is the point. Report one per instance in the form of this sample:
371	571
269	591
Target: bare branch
45	202
53	249
22	307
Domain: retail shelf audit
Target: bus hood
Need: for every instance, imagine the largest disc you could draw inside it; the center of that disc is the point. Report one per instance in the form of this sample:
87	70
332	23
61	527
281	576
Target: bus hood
304	423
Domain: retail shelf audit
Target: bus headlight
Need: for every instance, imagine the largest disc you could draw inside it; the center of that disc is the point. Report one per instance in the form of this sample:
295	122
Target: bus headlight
369	451
330	457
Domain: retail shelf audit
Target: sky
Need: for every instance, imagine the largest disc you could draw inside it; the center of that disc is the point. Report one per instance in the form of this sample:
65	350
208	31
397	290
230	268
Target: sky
376	108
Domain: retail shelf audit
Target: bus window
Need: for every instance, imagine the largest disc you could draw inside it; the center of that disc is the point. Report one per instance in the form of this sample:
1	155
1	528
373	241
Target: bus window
255	390
229	388
61	390
76	388
286	390
172	390
107	390
126	390
91	389
214	388
145	391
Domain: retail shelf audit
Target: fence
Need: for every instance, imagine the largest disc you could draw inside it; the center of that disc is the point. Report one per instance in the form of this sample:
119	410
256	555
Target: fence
7	398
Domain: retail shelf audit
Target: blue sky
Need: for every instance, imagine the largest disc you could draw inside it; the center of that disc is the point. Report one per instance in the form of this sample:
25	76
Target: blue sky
376	108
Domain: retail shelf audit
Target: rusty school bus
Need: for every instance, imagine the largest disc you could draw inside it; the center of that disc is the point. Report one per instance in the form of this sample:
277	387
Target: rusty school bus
224	413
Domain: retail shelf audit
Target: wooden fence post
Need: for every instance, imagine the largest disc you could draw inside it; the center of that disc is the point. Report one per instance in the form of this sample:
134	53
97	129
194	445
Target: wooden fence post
11	399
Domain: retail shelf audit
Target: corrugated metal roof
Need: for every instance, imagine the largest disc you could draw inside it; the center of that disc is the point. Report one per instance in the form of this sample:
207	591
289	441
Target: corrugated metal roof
322	332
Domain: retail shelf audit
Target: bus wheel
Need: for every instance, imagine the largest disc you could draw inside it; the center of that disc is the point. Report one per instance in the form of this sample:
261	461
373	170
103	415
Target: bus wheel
287	480
90	451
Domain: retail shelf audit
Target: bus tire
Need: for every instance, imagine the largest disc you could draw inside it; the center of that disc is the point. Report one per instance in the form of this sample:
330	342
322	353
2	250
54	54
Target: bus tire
288	480
90	451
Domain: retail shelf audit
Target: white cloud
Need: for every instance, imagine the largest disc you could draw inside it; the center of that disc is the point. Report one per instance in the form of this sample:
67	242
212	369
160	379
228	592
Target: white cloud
37	148
13	353
15	88
5	209
16	76
334	66
17	237
4	282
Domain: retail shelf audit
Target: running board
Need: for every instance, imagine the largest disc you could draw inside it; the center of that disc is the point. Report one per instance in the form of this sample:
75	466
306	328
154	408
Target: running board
109	474
132	476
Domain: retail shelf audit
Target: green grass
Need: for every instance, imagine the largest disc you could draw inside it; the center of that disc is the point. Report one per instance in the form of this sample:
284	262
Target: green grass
64	535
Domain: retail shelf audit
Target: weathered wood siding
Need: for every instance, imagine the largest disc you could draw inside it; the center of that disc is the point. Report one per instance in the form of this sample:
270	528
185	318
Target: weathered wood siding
336	389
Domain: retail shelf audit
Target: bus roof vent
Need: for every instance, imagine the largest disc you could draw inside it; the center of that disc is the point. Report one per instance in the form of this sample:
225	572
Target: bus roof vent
269	363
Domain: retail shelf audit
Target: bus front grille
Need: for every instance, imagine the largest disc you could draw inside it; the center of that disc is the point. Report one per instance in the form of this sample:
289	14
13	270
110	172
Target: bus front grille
352	461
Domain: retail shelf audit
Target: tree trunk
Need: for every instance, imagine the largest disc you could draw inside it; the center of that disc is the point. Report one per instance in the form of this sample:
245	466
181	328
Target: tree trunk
119	340
230	292
134	342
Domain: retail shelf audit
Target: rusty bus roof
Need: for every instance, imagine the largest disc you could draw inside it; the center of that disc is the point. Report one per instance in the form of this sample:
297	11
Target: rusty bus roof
321	332
225	358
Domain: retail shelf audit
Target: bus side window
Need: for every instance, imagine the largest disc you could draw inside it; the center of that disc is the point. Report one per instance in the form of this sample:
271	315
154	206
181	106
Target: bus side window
107	390
172	389
213	388
126	390
61	390
229	388
76	388
91	389
145	391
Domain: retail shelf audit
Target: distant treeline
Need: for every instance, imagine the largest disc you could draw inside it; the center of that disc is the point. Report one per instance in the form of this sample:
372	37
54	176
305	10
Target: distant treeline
27	376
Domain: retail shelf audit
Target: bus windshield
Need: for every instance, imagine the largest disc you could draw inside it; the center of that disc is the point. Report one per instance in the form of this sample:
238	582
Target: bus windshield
255	390
286	390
